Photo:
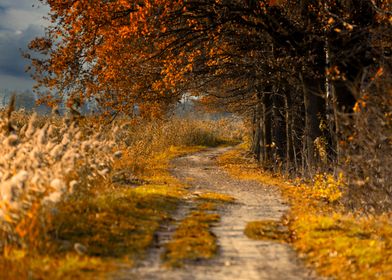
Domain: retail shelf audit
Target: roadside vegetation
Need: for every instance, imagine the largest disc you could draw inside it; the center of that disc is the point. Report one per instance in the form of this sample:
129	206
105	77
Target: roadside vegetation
337	242
78	199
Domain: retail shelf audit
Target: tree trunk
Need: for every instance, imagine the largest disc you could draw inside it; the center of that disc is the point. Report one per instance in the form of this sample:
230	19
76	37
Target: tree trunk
268	130
314	104
279	133
289	137
256	129
263	151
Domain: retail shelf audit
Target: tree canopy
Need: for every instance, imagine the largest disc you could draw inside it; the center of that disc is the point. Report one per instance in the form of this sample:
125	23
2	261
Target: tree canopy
296	69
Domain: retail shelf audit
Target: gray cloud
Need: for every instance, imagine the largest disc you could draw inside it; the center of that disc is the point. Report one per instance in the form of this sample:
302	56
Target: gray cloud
11	44
15	83
19	24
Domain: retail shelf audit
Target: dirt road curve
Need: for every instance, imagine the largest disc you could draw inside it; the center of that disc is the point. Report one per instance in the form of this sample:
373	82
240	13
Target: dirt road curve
239	258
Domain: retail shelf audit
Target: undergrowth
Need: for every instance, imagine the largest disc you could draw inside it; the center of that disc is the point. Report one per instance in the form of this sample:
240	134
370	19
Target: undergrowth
338	243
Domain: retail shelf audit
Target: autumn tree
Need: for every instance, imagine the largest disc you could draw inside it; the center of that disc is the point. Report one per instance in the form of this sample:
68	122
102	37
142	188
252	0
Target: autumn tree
101	50
294	68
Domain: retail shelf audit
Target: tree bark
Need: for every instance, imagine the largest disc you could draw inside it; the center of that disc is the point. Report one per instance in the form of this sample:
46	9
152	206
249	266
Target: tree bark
289	137
314	103
279	134
257	129
268	130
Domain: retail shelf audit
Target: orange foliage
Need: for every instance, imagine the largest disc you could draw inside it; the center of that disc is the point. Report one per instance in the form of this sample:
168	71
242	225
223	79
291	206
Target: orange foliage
102	49
123	53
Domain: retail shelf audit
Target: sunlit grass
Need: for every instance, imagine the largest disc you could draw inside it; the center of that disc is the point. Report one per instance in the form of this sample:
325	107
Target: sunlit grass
216	197
267	230
337	243
114	223
192	240
69	266
118	192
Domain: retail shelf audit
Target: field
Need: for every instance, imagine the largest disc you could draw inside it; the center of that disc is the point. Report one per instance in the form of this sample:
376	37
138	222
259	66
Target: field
82	200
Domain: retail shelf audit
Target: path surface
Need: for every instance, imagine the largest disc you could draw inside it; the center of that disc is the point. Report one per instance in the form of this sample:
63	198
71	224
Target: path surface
239	257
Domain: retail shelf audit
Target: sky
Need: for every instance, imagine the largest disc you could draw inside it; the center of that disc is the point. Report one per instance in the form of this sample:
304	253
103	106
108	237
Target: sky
20	22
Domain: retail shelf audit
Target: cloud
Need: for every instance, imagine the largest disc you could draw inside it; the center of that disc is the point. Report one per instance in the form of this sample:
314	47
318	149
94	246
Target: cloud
11	44
20	22
19	14
15	83
16	18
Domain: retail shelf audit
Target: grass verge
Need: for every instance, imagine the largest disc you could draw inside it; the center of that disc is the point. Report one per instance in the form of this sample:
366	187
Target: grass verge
335	242
193	239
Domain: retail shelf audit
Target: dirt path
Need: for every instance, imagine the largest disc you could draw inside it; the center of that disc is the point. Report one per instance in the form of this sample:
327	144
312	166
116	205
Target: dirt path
239	258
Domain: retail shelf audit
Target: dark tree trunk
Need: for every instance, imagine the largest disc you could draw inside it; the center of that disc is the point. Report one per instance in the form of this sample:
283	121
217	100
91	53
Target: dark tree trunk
268	130
290	157
314	108
278	129
257	132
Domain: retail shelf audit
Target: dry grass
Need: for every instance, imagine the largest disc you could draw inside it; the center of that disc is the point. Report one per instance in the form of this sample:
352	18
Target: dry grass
143	139
117	190
338	244
216	197
267	230
193	239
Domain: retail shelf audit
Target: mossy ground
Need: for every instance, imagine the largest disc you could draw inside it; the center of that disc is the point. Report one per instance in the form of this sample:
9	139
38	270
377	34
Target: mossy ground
193	238
216	197
337	243
267	230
